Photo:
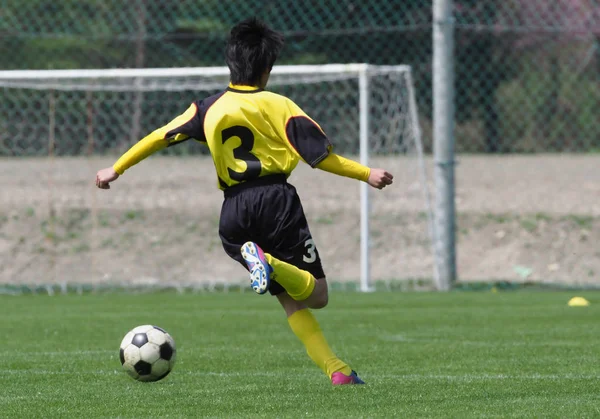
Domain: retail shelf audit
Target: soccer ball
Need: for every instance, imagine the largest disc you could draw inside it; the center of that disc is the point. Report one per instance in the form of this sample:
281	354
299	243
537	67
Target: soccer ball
147	353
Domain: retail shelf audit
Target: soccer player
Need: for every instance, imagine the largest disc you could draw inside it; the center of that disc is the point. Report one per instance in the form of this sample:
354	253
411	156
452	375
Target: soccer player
256	138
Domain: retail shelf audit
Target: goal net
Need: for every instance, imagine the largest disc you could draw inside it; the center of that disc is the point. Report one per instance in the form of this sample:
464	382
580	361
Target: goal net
158	225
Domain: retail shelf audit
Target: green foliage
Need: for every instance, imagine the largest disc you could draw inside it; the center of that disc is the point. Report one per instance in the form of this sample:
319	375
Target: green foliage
582	221
529	224
573	125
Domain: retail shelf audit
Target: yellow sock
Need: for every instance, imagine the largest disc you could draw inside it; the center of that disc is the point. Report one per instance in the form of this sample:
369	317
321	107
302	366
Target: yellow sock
305	326
298	283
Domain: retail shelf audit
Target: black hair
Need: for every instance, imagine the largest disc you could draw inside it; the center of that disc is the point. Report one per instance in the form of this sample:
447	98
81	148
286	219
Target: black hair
252	49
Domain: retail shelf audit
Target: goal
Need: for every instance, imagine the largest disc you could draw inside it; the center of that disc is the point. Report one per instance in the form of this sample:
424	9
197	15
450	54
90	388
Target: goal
158	226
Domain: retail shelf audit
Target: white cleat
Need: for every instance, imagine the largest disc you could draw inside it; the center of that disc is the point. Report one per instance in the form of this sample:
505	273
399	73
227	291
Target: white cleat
260	270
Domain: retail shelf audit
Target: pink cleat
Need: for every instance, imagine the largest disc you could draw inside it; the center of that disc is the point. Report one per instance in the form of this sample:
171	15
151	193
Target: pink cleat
340	379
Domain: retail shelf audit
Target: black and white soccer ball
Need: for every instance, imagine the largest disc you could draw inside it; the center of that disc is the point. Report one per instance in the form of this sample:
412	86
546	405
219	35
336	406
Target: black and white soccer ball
147	353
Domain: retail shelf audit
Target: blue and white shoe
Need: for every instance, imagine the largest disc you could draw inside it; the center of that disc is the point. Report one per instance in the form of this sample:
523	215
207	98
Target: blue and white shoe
260	270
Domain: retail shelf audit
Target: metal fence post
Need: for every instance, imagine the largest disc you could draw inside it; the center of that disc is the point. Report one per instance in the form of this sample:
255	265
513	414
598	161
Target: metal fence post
365	271
443	131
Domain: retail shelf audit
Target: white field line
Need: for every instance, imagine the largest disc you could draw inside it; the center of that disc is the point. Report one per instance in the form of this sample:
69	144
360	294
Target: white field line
412	377
485	343
11	398
84	354
31	354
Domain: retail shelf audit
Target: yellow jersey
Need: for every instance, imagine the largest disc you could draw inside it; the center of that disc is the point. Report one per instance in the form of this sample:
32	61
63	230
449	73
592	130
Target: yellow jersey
250	133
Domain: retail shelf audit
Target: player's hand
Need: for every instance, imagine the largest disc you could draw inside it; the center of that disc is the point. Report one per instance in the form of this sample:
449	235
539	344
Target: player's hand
105	176
379	178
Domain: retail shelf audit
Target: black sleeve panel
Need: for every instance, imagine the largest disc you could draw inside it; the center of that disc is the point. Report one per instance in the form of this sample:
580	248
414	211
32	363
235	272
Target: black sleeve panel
194	128
184	127
307	139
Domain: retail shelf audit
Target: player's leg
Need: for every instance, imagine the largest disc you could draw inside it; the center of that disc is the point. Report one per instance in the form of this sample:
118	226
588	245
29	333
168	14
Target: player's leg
301	284
298	283
301	320
296	267
307	329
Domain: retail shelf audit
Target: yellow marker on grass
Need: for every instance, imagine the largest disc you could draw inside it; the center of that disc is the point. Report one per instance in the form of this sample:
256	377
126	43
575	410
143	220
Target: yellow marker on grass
578	302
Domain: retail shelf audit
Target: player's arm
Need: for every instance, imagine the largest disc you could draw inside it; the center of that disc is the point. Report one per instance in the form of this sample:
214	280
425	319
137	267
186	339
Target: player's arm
312	145
179	129
185	126
377	178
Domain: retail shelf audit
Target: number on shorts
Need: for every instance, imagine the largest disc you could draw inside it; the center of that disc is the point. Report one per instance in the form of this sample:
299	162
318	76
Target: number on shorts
311	251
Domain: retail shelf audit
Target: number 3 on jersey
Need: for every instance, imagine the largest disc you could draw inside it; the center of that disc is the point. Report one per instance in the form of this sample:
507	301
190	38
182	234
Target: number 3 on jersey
243	152
311	251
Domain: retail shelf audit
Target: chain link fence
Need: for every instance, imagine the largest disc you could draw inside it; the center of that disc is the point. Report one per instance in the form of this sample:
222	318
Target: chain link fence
527	71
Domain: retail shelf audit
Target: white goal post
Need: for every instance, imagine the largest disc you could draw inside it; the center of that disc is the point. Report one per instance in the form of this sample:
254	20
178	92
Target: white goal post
372	109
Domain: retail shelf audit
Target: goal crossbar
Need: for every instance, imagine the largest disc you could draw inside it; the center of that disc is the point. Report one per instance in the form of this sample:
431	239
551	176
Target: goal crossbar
189	71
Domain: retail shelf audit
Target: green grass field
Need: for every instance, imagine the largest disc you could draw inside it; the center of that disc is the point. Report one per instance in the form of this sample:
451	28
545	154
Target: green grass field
463	354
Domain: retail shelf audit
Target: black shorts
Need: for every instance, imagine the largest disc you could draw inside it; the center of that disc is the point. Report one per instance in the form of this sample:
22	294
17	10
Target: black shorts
268	212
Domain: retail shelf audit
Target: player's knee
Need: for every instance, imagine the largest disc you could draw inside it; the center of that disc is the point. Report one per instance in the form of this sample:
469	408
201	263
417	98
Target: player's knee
320	296
320	302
